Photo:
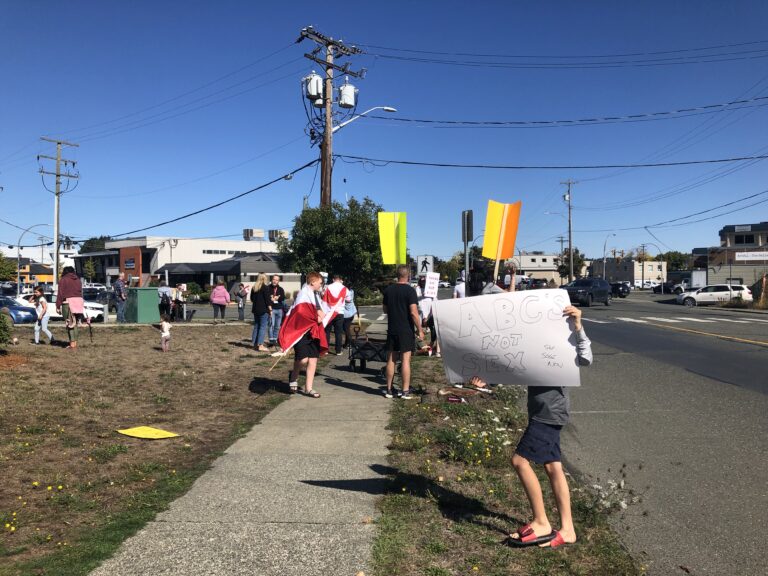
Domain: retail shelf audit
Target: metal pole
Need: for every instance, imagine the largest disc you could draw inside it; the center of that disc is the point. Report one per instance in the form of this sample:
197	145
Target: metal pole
642	268
56	219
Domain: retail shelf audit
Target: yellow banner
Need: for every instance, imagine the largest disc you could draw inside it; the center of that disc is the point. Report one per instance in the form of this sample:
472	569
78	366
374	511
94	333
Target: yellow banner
501	230
392	236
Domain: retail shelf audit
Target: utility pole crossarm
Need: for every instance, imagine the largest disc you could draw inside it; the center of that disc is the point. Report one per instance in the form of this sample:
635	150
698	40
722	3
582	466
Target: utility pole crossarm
65	175
55	141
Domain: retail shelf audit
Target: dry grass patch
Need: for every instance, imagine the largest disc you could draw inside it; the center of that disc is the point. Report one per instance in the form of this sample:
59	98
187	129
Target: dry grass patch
72	487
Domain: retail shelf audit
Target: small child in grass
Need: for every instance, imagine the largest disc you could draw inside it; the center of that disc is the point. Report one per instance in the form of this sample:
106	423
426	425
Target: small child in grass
548	412
165	333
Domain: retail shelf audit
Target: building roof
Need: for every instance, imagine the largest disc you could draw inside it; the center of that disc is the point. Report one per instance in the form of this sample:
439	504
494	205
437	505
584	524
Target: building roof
218	267
97	253
761	227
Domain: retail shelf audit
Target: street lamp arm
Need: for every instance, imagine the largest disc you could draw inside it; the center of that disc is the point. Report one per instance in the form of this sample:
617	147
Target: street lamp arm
385	108
18	258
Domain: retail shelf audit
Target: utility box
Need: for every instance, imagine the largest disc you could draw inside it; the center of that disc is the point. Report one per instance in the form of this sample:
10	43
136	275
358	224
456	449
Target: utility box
142	306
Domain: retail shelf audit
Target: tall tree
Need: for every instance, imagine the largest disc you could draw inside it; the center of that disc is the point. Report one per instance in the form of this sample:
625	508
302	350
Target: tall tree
336	239
578	263
675	260
89	269
7	268
94	244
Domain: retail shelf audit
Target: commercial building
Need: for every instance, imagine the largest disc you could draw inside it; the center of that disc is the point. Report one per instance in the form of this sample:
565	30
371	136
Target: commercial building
542	265
741	258
630	270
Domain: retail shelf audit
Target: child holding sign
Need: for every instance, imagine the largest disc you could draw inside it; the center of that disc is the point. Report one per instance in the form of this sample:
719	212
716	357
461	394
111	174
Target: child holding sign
548	412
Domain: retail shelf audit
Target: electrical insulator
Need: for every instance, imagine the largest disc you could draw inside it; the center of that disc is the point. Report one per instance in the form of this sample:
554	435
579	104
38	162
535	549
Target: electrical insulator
313	86
347	95
318	103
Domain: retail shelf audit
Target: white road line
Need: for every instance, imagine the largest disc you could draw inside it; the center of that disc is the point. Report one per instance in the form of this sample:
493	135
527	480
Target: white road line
757	320
635	320
596	321
729	320
380	318
657	319
694	319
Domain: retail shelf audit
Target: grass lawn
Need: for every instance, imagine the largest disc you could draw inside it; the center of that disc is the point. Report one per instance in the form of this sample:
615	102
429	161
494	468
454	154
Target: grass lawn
455	495
72	488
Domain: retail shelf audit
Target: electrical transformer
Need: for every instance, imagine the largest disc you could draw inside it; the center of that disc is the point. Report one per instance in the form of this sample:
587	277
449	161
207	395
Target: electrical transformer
347	95
313	86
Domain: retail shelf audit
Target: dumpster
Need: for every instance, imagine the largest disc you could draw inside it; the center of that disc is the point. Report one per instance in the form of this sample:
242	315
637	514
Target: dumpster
142	306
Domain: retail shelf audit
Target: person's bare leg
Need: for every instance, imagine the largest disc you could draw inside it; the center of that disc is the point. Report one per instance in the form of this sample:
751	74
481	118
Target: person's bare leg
296	371
311	367
390	370
563	498
540	523
405	370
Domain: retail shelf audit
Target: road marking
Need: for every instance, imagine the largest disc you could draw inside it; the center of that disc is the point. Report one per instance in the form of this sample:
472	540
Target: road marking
669	320
722	337
729	320
757	320
694	319
633	320
596	321
380	318
617	411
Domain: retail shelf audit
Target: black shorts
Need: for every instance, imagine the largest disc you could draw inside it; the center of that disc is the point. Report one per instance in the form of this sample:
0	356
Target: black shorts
307	347
402	342
540	443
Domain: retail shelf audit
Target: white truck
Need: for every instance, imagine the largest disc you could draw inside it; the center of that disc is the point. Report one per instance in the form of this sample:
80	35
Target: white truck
697	280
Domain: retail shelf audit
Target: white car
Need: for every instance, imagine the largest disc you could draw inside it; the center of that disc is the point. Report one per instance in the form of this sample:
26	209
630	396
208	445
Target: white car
715	294
93	310
444	284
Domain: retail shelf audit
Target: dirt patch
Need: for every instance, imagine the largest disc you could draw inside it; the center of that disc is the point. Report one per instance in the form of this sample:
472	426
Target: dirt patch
65	468
9	361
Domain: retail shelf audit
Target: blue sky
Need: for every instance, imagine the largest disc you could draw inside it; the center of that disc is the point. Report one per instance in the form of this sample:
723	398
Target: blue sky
177	106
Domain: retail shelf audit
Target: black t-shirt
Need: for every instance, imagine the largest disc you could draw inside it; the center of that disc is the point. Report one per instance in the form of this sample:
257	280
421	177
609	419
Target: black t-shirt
398	299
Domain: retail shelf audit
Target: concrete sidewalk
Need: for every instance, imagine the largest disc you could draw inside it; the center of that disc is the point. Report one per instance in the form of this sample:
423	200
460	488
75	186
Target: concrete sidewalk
296	496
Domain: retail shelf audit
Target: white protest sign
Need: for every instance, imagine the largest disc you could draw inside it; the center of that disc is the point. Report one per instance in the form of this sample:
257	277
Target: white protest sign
431	285
510	338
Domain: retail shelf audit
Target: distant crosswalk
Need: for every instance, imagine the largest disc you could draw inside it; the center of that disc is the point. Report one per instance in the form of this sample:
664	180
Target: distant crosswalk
680	320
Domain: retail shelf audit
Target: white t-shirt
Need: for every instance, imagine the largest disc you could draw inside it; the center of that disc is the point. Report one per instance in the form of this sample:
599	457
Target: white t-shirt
166	328
459	291
39	307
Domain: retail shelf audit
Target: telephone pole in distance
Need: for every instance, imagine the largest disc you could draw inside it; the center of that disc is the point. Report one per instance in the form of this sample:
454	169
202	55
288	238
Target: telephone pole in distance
567	198
57	195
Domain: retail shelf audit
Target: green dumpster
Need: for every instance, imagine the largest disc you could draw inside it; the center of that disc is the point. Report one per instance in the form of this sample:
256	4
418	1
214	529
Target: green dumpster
142	306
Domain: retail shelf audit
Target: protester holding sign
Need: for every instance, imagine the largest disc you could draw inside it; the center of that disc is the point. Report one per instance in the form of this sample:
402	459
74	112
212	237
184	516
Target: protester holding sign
548	412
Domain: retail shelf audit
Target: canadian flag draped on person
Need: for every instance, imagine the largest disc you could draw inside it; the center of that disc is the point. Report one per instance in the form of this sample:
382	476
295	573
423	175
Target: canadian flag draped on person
303	317
334	296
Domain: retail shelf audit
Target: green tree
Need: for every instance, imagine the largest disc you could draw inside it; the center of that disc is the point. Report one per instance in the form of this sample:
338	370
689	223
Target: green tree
94	244
7	268
336	239
675	260
578	263
89	269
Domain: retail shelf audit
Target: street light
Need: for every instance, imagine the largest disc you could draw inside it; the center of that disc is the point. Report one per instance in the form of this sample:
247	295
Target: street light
660	253
385	108
18	258
604	245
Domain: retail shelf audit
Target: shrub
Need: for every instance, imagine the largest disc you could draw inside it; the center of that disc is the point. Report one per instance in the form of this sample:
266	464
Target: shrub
5	332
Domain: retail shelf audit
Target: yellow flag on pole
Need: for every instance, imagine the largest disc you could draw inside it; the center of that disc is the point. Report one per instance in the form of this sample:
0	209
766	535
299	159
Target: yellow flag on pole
501	230
392	230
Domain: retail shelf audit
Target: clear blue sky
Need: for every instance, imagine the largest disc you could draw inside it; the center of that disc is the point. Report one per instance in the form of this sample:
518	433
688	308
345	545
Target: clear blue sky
103	74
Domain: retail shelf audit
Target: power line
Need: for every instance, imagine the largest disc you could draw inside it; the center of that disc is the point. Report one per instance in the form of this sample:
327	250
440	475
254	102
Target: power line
668	115
286	176
569	56
381	162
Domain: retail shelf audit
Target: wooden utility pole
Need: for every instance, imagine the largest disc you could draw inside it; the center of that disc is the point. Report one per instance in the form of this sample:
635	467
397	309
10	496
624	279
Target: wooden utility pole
567	198
57	195
326	148
333	49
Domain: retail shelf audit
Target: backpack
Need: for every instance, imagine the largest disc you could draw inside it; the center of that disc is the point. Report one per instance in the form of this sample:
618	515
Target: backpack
165	299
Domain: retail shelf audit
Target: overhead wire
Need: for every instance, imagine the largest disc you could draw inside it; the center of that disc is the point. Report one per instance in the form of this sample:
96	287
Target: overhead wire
287	175
383	162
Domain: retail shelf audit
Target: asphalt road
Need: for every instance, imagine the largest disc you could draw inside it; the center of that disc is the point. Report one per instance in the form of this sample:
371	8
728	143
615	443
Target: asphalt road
676	405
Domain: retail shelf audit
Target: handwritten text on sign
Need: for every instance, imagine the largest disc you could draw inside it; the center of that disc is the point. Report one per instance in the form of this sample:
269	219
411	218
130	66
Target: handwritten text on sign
510	338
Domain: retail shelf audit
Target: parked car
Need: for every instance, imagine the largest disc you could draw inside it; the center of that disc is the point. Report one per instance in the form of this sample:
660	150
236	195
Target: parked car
16	312
105	297
665	288
537	283
444	284
715	294
586	291
93	310
619	289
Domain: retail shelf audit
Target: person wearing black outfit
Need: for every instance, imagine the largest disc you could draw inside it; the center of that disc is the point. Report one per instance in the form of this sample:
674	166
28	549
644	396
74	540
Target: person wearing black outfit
277	300
262	307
